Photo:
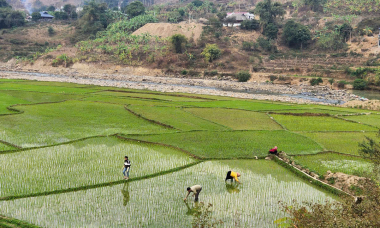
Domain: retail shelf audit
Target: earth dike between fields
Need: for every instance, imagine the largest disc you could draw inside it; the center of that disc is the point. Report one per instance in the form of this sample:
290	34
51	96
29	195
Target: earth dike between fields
301	94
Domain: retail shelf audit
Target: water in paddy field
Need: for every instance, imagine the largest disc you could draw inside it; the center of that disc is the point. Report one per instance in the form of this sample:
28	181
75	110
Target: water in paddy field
158	202
369	94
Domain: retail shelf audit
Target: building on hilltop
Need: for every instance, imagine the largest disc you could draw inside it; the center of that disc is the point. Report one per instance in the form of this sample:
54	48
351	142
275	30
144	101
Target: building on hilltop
46	16
239	17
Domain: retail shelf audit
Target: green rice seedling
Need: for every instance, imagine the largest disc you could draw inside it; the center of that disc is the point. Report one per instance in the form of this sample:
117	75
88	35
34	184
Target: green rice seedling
373	119
164	97
314	111
176	117
38	97
236	119
48	124
7	100
127	100
4	147
158	202
343	142
249	105
236	144
334	108
321	163
88	162
319	123
42	88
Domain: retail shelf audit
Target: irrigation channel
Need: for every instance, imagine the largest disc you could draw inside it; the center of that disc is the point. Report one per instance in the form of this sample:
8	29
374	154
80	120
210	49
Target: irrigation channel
250	90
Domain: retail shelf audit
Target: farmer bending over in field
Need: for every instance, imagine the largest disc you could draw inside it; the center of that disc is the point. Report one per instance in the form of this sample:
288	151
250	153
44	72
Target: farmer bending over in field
232	175
273	150
196	189
126	167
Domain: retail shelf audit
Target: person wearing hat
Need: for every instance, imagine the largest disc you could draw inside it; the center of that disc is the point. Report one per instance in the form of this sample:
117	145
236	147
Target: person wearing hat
273	150
126	167
196	189
232	175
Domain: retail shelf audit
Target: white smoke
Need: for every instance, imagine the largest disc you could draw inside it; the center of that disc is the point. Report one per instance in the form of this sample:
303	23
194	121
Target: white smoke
28	5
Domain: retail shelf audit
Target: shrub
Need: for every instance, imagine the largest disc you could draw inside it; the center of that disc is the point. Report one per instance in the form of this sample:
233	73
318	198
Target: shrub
178	41
214	72
247	46
184	72
272	78
62	60
243	76
211	52
265	44
271	31
295	34
250	25
341	84
51	31
316	81
36	16
360	84
331	81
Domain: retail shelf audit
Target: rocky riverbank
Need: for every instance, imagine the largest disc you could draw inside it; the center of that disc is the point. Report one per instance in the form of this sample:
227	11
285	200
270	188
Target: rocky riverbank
302	93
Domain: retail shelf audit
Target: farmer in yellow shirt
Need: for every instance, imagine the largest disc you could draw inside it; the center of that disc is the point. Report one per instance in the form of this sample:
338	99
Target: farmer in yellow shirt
232	175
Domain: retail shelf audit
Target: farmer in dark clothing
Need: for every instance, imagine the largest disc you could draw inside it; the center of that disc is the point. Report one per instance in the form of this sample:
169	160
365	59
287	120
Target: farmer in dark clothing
273	150
196	189
126	167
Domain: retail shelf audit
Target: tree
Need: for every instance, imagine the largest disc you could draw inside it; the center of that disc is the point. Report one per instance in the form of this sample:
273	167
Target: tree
51	31
345	31
250	25
271	31
51	8
268	12
211	52
36	16
197	3
134	9
316	5
178	41
221	15
15	18
69	9
4	4
295	34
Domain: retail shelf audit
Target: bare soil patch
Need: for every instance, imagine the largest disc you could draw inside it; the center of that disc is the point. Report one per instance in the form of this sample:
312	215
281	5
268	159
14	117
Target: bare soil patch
164	30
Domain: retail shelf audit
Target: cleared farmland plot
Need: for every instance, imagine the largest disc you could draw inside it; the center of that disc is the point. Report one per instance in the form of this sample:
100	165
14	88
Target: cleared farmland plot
241	144
48	124
236	119
321	163
373	119
88	162
319	123
343	142
157	202
176	117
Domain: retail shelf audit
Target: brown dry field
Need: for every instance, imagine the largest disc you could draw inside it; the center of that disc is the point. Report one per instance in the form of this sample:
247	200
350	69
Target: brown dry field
165	30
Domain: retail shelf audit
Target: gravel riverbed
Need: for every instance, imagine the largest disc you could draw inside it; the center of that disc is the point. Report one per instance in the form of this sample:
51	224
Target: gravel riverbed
302	94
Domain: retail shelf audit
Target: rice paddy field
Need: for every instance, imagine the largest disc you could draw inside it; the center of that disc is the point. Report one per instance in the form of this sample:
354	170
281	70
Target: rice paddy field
62	147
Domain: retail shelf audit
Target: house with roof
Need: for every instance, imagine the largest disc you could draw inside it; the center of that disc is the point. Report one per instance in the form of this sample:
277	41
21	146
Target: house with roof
239	17
46	16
